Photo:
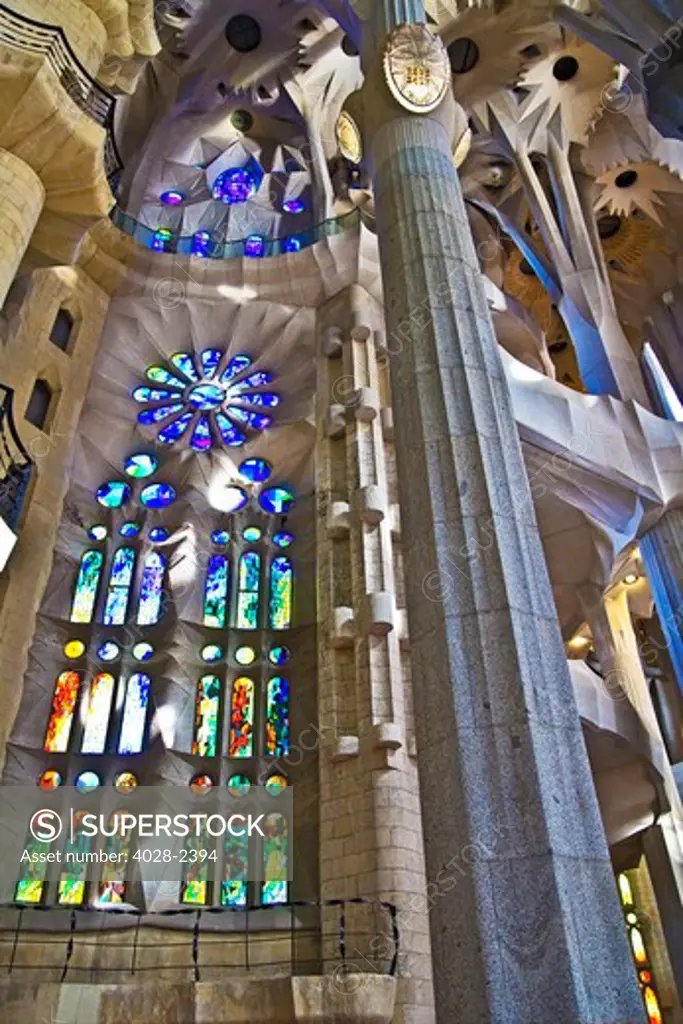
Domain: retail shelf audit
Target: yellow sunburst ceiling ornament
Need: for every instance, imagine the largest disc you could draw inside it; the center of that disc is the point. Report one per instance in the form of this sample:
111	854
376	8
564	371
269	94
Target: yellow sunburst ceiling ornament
636	186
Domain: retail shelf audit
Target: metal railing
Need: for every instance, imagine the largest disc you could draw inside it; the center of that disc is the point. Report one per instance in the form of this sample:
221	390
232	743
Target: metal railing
297	938
24	33
16	465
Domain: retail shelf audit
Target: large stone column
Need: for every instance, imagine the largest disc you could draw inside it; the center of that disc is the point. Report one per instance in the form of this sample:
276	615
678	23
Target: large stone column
662	551
22	195
530	929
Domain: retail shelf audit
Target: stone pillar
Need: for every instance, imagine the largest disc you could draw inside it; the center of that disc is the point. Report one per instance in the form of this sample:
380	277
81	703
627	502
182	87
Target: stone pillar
662	552
22	195
668	897
530	928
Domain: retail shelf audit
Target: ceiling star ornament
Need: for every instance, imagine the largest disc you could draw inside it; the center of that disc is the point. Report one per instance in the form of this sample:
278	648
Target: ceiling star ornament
416	68
634	186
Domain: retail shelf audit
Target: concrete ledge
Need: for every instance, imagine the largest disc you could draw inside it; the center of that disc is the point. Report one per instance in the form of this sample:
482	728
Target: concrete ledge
329	999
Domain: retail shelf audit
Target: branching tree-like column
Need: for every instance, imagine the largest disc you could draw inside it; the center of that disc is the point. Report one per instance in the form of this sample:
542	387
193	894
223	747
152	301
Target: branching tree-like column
524	919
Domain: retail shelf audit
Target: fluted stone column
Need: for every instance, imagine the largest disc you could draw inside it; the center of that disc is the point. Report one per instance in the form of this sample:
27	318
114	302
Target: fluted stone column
525	923
662	551
22	195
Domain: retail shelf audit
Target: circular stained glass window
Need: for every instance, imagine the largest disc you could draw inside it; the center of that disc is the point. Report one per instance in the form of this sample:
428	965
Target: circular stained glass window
245	655
283	539
201	784
220	537
212	652
87	782
277	500
239	785
206	397
74	649
143	652
158	534
230	499
256	470
141	465
108	651
275	784
157	496
113	494
172	197
98	532
129	529
294	206
252	534
234	186
50	780
126	782
279	655
255	246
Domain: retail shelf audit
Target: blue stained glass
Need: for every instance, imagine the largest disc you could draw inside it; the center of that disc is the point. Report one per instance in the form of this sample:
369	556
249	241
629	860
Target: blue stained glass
134	714
129	529
277	500
160	375
232	499
283	539
236	365
184	362
98	532
206	397
254	380
263	399
201	439
256	470
294	206
176	429
229	432
281	591
141	465
291	244
220	537
255	246
143	652
87	586
113	494
252	419
158	534
216	593
277	717
212	652
145	394
108	651
235	185
161	242
151	589
279	655
158	496
252	534
201	243
148	416
172	197
120	579
248	597
87	782
210	357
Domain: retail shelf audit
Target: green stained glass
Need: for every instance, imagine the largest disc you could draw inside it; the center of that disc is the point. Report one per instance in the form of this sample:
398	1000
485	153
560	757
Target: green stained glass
248	597
206	717
275	850
72	881
216	593
281	591
277	717
31	884
235	871
87	586
195	883
112	885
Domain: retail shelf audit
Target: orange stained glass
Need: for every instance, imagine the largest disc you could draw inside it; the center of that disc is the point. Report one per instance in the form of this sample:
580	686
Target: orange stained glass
63	707
654	1014
638	946
625	890
241	742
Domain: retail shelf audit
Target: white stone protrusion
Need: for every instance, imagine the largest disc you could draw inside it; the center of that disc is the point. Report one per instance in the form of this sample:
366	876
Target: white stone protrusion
395	521
345	747
333	342
360	331
388	736
380	339
372	504
365	404
380	613
387	419
339	520
335	421
343	627
401	620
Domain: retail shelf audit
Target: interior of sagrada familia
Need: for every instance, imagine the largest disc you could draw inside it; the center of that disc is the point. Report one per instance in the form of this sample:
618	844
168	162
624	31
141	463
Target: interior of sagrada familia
341	476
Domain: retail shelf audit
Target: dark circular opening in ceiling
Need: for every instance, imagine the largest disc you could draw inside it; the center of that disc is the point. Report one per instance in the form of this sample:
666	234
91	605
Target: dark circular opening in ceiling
243	33
463	55
349	47
242	120
526	268
626	179
609	225
565	68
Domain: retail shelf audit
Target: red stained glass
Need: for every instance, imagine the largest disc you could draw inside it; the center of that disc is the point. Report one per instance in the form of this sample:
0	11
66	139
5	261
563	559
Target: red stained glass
242	719
63	707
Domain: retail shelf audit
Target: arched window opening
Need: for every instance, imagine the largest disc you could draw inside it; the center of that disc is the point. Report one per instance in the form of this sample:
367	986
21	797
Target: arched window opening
241	743
87	586
249	586
277	717
275	843
207	716
97	716
62	328
216	593
135	714
38	408
281	593
151	589
120	580
112	884
62	717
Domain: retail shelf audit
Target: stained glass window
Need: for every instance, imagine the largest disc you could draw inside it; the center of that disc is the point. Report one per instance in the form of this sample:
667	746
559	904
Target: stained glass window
72	882
195	882
97	715
248	597
141	465
87	586
256	470
113	494
112	886
74	649
31	884
151	589
639	950
277	717
120	580
88	782
206	717
134	714
216	594
50	780
281	587
241	742
276	500
98	532
235	871
63	707
275	887
108	651
157	496
125	783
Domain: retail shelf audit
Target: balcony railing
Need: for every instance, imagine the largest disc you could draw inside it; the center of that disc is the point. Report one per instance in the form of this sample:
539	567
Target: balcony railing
24	33
16	465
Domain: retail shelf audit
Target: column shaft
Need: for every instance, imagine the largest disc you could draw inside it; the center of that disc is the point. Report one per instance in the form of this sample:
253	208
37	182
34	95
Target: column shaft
662	551
21	200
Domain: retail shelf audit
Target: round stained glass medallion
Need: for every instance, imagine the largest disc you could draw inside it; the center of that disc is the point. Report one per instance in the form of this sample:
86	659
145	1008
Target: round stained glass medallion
349	138
87	782
211	653
256	470
220	537
157	496
143	652
98	532
275	784
277	500
294	206
125	783
245	655
279	655
252	534
49	780
172	197
129	529
141	465
230	499
74	649
108	651
206	397
113	494
201	784
283	539
416	68
239	785
234	186
255	246
158	534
